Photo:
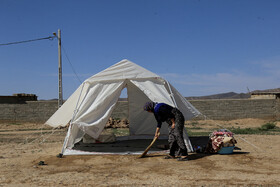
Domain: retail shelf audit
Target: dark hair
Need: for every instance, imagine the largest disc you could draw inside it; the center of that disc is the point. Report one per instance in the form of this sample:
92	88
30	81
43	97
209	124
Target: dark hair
149	106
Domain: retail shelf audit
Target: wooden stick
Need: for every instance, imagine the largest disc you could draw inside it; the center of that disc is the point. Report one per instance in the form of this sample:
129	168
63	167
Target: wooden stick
149	147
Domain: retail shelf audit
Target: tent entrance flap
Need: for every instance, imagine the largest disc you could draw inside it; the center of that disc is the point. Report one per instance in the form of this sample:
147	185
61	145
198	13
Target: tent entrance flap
94	111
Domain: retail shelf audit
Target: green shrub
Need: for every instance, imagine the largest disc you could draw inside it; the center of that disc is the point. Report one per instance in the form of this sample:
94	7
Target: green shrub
192	133
245	130
267	126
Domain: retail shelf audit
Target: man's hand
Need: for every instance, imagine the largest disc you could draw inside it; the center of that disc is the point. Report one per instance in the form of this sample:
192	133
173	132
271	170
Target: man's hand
173	123
156	135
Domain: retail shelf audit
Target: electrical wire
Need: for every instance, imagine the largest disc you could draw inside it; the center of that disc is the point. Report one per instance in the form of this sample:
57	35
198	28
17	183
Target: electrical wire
71	64
25	41
45	38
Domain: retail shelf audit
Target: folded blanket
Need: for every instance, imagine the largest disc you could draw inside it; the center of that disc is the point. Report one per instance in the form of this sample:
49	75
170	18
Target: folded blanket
219	139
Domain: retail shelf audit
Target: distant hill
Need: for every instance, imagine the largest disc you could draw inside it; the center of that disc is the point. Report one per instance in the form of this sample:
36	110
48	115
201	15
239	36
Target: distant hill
229	95
233	95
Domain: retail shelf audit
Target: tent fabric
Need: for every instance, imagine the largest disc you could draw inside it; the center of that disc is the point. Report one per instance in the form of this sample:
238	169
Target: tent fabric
90	106
62	116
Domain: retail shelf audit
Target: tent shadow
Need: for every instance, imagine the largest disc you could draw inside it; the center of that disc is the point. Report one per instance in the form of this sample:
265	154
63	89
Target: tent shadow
154	155
159	149
121	147
193	156
240	153
195	141
196	156
201	141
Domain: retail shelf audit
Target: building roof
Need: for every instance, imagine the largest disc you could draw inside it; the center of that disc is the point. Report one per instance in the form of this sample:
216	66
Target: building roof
268	91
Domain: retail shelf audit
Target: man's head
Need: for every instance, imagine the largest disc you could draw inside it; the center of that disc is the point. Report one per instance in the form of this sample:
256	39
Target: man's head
149	106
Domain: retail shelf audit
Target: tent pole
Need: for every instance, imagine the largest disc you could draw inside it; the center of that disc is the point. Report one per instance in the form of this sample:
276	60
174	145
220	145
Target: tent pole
185	134
66	139
171	94
70	126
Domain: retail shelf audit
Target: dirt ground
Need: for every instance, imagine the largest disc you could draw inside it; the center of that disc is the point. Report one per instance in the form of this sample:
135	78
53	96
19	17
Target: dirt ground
23	146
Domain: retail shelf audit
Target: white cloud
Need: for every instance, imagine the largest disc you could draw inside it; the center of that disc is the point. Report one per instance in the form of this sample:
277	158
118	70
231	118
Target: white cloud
237	81
270	66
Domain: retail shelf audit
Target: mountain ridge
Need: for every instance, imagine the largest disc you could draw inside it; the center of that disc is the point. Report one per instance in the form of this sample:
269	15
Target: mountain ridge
233	95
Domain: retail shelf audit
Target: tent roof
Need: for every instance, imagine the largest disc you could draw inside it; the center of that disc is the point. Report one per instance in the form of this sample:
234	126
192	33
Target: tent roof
122	70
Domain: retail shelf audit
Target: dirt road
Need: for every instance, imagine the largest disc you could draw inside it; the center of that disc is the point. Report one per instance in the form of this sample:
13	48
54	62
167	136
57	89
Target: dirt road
19	164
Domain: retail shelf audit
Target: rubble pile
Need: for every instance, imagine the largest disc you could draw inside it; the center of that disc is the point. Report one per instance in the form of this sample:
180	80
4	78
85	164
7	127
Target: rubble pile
117	123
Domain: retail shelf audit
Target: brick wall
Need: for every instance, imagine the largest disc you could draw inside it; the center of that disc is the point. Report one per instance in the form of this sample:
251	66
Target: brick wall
40	111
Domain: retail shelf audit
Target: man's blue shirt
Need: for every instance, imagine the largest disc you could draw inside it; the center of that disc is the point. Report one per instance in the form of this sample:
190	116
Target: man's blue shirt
162	113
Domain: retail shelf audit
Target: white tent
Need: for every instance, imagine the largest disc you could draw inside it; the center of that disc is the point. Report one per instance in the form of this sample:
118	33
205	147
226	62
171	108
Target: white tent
90	106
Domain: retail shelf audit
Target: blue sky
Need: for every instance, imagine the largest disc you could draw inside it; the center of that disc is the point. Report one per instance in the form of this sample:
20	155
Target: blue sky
202	47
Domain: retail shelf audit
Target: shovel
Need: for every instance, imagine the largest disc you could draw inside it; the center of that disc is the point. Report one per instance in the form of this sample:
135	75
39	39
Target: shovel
149	147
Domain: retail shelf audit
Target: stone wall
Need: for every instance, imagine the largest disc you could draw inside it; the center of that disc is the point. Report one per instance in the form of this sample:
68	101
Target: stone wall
40	111
30	111
238	108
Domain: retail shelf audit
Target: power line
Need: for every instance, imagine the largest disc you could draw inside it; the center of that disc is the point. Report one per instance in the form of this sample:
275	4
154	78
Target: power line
25	41
71	65
45	38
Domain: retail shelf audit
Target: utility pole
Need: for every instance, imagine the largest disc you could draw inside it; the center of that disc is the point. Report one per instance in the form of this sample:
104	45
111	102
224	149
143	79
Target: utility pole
60	96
